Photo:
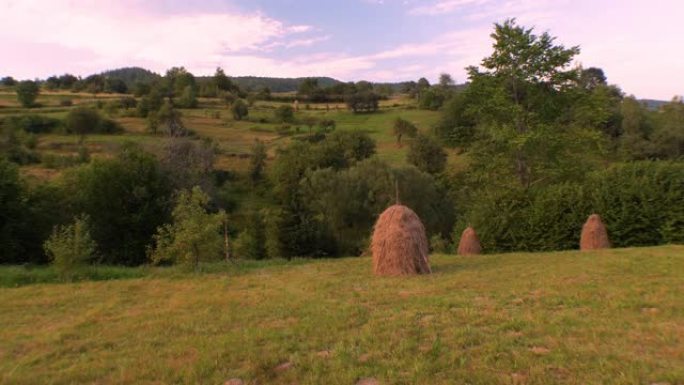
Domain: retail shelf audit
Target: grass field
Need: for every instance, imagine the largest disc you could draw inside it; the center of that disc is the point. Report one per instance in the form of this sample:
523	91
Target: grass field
608	317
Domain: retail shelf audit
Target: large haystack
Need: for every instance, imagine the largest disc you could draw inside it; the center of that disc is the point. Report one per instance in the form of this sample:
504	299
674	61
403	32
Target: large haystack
594	234
399	244
469	243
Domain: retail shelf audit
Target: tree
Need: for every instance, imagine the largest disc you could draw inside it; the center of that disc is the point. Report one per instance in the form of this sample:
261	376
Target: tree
519	99
8	81
82	121
239	109
257	161
126	198
189	163
70	247
427	155
284	113
457	124
404	127
221	81
445	80
27	92
194	234
362	101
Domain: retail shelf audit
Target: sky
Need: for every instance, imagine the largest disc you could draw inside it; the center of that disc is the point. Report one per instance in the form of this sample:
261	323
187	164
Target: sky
639	44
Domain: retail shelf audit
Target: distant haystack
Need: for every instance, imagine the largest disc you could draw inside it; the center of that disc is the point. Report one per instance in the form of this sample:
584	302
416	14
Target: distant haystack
399	244
594	234
469	243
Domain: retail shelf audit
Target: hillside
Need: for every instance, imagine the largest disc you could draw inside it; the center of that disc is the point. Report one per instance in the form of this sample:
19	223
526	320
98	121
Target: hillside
609	317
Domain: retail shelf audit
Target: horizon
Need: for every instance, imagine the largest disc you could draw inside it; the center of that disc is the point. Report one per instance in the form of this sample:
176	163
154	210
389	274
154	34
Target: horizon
375	40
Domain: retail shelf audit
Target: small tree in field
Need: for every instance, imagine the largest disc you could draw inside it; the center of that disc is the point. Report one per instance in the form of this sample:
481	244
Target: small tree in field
427	155
404	127
194	235
239	109
70	247
27	92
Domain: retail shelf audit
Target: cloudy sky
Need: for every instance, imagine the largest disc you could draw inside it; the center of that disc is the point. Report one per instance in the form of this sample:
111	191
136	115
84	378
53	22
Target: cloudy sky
638	43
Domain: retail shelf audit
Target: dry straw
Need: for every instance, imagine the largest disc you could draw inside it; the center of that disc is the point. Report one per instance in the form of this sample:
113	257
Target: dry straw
594	234
399	243
469	243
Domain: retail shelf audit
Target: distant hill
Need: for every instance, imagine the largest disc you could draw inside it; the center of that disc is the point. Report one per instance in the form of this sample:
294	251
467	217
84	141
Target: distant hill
652	104
132	75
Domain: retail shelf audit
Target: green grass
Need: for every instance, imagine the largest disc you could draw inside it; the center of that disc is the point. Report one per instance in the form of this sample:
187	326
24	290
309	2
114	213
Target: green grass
607	317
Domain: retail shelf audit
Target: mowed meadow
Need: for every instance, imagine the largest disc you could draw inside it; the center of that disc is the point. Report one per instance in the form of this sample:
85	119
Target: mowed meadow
601	317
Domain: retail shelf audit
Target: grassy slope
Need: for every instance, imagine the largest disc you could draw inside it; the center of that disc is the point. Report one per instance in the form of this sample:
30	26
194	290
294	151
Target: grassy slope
214	120
610	317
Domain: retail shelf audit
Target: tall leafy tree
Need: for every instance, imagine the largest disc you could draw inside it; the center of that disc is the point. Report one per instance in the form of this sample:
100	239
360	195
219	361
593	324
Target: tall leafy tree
520	93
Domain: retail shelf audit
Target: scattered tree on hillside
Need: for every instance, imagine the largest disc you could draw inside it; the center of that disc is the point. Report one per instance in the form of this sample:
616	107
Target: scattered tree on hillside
239	109
404	127
27	92
427	155
284	114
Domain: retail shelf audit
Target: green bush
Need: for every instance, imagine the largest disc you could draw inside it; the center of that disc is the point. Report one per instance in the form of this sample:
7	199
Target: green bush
71	247
641	204
32	123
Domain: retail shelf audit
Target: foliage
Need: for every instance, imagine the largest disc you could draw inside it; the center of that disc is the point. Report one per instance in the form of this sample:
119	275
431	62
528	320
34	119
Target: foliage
284	114
239	109
457	124
27	92
13	209
427	154
32	123
126	198
189	163
70	247
640	204
84	120
257	161
251	243
363	101
403	127
193	236
518	99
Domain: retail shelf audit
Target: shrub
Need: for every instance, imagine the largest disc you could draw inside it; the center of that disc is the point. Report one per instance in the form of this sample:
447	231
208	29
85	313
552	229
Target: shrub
239	109
71	247
284	114
32	123
641	202
427	154
193	236
27	92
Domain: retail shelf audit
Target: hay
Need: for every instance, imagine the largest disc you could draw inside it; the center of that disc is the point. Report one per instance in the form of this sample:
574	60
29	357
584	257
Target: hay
399	243
594	234
469	243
